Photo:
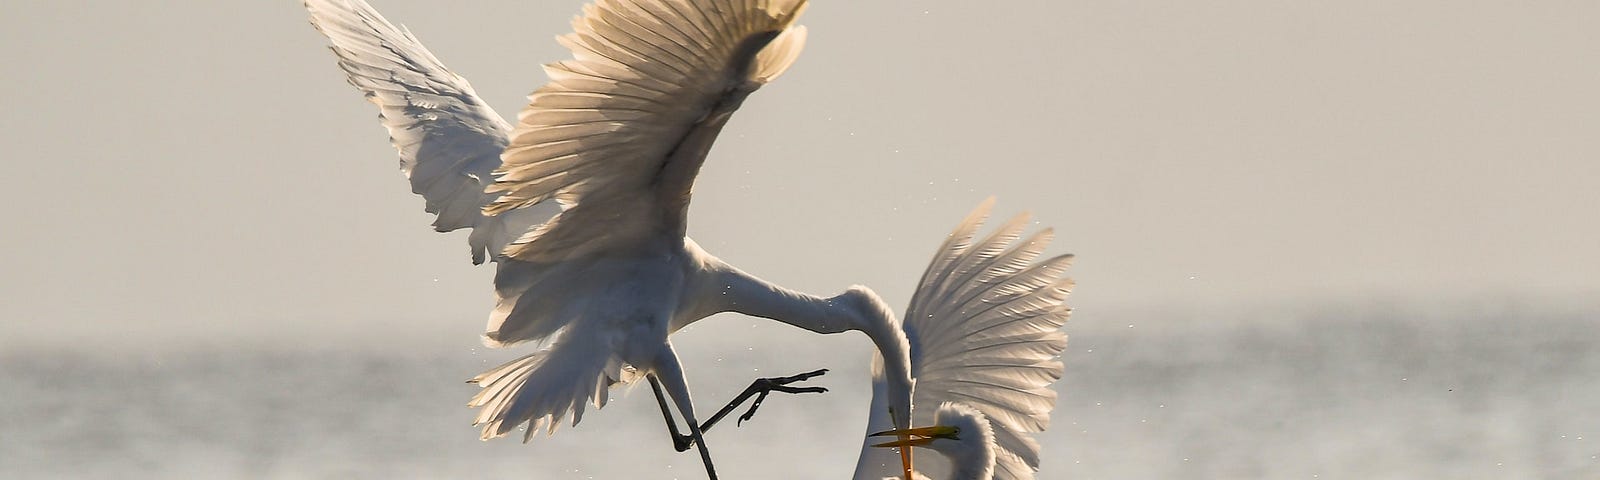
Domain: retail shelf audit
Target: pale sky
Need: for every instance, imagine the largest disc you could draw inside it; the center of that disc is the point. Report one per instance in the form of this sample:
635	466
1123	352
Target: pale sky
199	172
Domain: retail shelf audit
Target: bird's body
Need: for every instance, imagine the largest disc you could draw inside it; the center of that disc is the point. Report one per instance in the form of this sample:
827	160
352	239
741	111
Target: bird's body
984	328
631	302
615	138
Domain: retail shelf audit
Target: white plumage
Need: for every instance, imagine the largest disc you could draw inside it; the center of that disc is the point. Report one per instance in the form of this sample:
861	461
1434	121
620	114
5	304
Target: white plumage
984	326
449	141
616	138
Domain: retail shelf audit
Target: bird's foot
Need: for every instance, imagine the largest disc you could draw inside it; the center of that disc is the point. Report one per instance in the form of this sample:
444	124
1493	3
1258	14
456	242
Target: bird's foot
759	389
764	386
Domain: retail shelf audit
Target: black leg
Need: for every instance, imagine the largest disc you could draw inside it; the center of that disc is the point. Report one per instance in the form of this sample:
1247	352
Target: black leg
680	442
759	389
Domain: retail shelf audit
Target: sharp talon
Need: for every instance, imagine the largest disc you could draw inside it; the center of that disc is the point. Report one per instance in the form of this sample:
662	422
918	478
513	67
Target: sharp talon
751	413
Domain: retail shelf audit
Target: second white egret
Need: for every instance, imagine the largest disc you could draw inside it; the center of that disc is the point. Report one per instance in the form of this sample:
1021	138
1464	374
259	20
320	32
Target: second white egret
985	332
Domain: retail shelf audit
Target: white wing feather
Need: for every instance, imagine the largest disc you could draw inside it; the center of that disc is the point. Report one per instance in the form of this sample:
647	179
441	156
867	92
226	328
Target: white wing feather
604	136
449	140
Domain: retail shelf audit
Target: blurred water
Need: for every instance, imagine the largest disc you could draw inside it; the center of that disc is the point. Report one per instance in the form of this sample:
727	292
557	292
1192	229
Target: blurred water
1370	397
1367	396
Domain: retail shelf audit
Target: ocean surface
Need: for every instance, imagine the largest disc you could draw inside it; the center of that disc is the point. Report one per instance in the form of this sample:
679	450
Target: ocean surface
1368	394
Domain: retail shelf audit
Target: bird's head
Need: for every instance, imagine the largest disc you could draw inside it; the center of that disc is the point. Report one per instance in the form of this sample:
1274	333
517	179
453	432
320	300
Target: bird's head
960	433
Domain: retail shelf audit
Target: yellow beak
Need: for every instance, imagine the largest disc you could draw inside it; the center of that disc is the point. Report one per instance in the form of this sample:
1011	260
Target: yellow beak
905	437
908	442
914	437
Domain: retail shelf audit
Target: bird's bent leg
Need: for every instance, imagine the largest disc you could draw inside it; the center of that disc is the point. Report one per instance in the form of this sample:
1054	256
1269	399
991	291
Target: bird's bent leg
680	442
672	378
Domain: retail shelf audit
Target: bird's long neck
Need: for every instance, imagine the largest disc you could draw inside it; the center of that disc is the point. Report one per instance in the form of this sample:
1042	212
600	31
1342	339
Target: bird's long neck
973	464
741	292
855	309
874	463
972	454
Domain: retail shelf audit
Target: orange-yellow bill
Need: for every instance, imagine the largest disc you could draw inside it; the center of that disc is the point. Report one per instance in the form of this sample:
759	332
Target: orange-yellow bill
902	443
918	436
904	436
905	458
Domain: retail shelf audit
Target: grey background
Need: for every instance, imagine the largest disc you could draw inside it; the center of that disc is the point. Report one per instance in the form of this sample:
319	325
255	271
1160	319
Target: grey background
1280	209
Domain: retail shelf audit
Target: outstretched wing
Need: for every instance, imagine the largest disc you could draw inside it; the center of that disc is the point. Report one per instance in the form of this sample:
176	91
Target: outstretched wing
984	327
449	140
621	130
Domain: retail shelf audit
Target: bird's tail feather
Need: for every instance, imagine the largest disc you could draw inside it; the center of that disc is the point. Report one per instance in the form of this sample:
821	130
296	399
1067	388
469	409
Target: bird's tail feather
539	389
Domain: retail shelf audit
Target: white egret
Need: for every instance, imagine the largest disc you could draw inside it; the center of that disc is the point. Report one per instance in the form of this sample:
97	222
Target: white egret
984	326
616	138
